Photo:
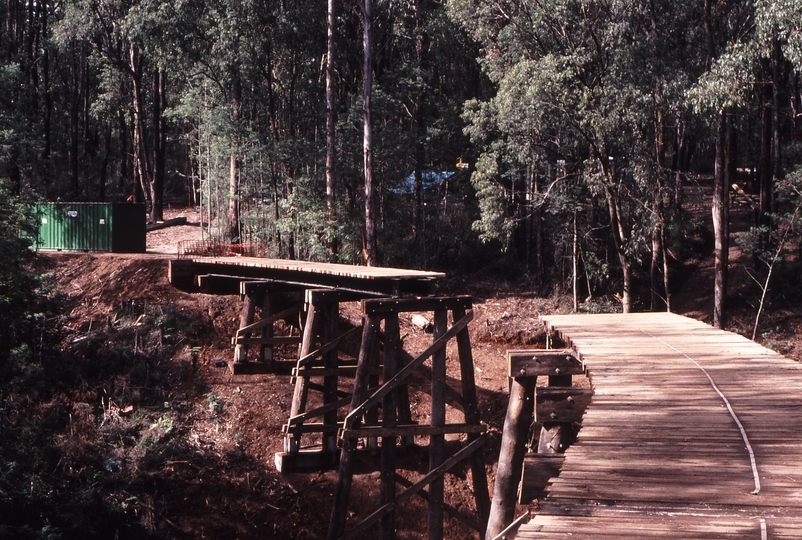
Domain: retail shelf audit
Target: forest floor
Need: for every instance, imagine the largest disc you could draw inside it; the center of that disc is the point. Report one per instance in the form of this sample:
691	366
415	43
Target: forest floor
184	449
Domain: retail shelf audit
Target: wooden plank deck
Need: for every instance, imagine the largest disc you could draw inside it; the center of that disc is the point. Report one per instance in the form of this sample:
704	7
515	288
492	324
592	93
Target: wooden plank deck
309	267
692	432
377	279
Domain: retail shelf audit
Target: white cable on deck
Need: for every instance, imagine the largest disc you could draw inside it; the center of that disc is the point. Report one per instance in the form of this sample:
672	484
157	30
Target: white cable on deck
764	533
729	408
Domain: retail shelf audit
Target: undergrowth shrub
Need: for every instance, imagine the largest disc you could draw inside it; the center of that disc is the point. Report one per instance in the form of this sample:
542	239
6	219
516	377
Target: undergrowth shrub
80	419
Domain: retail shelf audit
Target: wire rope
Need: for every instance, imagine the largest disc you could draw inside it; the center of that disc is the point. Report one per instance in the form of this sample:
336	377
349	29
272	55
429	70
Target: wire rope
734	416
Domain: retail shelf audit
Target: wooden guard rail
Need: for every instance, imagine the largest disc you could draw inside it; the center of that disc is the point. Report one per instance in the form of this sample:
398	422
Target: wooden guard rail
556	407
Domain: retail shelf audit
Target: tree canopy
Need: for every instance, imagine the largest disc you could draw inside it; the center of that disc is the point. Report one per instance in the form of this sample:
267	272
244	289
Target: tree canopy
560	134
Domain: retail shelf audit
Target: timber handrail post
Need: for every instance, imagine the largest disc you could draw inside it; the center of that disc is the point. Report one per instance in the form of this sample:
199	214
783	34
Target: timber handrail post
511	456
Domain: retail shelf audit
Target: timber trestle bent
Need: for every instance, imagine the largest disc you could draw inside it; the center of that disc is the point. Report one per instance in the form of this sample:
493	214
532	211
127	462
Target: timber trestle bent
345	408
692	433
396	426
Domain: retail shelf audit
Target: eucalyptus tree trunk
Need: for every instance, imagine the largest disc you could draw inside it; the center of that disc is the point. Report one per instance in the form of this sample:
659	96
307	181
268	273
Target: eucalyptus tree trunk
721	199
776	61
619	234
619	240
139	141
370	248
233	178
657	253
157	182
721	218
123	149
331	157
658	223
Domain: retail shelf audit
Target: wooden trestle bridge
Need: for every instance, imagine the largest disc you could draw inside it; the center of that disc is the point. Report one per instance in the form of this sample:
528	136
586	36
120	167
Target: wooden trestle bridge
691	432
348	409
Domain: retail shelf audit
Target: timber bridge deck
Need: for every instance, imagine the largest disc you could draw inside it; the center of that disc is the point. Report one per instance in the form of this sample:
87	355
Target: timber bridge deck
691	432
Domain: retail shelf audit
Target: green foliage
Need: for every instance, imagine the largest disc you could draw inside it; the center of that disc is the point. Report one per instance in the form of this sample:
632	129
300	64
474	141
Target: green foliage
78	421
21	303
158	431
559	88
580	95
216	406
727	83
781	20
775	246
492	197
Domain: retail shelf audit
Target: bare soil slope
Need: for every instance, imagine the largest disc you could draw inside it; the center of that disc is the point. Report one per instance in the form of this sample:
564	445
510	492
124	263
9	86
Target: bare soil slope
187	449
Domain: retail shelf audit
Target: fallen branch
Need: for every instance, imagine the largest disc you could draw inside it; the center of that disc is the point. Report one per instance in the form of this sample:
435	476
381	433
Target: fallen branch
182	220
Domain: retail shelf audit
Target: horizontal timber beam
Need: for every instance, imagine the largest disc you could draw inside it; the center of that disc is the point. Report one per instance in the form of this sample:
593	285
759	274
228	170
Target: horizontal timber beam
321	371
561	403
413	430
535	362
339	294
276	340
311	428
268	320
261	286
399	305
277	367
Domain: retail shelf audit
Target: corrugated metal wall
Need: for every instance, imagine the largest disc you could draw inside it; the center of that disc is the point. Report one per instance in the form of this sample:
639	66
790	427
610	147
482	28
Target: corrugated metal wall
118	227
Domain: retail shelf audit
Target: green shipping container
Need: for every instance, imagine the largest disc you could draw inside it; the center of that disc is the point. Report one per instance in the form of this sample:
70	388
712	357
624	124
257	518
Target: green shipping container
117	227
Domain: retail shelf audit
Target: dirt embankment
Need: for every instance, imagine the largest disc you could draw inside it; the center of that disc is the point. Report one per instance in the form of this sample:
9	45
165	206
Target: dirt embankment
178	448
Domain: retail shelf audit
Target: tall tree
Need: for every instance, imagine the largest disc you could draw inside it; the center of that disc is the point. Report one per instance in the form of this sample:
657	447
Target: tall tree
234	168
721	219
156	183
748	39
370	249
125	37
576	89
331	123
